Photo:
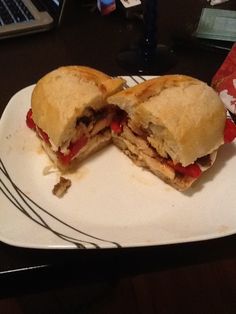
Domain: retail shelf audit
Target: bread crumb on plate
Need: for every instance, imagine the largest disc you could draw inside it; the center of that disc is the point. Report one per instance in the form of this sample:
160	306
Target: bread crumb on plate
61	187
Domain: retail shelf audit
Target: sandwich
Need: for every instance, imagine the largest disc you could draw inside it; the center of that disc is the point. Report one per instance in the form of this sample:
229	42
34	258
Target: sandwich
70	113
172	125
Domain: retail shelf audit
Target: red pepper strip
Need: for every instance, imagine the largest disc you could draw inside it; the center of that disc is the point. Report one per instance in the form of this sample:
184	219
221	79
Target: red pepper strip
118	122
229	131
192	170
116	126
43	135
74	148
30	123
29	120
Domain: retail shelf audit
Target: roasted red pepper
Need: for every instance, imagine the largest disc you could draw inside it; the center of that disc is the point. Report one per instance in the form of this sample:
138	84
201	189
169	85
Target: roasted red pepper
73	148
229	131
43	135
192	170
30	123
116	126
118	122
29	120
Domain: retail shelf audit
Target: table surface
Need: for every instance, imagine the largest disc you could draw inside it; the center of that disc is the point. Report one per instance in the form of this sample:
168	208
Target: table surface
197	277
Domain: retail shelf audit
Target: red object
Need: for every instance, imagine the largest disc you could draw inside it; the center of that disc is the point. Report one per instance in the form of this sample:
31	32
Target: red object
30	123
224	81
73	148
227	68
43	135
106	7
192	170
229	131
117	126
29	120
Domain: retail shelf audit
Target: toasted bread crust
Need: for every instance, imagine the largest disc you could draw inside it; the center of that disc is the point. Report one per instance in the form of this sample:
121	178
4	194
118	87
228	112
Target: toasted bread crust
61	96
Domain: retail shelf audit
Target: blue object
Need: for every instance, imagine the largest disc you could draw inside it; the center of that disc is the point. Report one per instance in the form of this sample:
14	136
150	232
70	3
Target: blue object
107	2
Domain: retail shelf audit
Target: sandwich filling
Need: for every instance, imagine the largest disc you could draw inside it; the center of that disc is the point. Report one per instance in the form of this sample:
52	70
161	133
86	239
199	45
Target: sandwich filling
141	146
91	129
137	142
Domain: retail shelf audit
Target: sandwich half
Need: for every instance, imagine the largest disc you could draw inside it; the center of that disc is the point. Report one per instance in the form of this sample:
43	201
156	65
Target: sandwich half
70	114
173	125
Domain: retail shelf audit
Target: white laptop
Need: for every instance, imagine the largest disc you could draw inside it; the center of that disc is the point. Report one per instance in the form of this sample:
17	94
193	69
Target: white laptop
21	17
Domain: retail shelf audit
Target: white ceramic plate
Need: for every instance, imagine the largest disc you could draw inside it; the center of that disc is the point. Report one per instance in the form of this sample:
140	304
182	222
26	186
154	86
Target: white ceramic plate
111	203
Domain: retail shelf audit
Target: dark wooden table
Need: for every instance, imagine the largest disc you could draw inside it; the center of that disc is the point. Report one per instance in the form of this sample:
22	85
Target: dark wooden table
197	277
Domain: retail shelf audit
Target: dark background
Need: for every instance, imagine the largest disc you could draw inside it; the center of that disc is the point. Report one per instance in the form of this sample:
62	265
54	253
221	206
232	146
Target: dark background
85	37
188	278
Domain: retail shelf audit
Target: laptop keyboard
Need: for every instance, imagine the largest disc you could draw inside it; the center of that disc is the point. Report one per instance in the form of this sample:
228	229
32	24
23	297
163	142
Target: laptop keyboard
13	11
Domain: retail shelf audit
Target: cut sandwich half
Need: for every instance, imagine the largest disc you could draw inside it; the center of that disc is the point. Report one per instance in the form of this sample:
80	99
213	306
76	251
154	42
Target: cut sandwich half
173	125
70	114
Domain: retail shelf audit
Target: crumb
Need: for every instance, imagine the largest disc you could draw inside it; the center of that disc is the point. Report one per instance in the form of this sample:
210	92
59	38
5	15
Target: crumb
61	187
49	169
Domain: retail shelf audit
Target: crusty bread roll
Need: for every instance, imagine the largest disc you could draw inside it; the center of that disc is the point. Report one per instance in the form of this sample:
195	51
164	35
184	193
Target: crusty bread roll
61	96
70	103
173	122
